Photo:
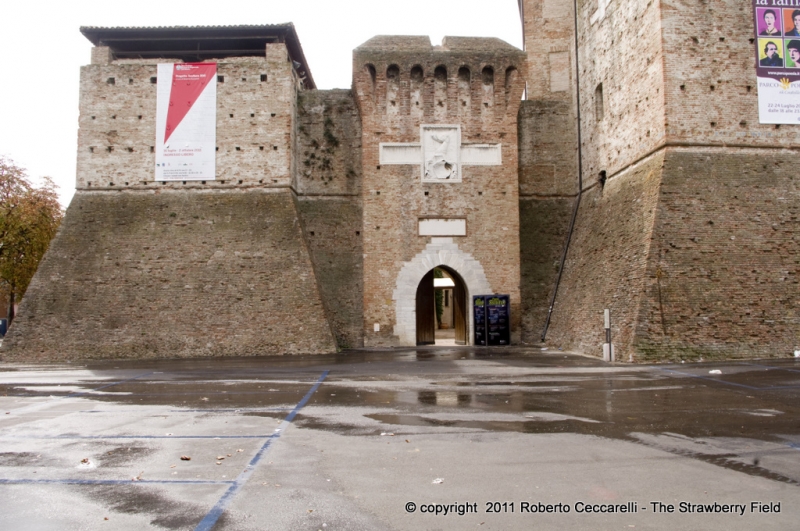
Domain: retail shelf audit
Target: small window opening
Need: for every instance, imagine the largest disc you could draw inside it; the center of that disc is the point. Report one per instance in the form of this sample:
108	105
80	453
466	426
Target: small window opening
111	81
601	178
153	80
599	109
263	77
220	79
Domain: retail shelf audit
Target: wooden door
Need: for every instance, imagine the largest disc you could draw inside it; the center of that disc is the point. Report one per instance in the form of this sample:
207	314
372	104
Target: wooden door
426	311
460	312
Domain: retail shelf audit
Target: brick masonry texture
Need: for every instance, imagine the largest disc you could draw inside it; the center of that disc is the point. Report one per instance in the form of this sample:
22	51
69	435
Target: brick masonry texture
607	261
548	162
328	185
691	241
401	83
696	254
332	227
328	144
543	230
173	274
622	52
255	124
723	270
548	123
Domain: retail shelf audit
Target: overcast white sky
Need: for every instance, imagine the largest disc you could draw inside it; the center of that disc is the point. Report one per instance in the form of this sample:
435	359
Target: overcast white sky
43	51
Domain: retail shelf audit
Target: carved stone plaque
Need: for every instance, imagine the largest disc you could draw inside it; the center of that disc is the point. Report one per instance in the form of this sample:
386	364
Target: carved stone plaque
441	150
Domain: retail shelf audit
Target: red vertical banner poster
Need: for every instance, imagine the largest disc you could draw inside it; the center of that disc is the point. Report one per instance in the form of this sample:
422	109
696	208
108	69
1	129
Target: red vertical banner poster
186	122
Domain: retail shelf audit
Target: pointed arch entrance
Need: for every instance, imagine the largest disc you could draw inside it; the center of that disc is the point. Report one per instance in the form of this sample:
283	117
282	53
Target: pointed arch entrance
440	252
430	300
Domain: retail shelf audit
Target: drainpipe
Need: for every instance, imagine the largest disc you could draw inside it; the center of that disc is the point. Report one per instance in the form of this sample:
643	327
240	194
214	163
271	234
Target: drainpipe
580	173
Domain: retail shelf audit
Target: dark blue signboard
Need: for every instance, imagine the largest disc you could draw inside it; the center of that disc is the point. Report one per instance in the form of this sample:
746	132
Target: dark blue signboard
479	311
492	315
498	320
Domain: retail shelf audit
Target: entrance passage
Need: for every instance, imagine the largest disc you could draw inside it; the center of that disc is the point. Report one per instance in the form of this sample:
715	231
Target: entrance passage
441	306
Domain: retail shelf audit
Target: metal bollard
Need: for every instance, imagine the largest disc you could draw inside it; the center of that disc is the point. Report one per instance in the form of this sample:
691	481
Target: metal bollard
608	348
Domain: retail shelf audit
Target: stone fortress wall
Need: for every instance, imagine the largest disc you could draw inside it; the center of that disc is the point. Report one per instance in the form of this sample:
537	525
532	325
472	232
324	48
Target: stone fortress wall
400	84
692	239
686	228
194	268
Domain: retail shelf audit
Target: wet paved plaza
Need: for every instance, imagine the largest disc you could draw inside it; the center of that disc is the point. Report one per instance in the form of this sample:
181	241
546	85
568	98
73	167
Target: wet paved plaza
505	438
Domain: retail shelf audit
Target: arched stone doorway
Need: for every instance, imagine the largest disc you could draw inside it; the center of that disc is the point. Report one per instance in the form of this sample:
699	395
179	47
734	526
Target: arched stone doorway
439	252
452	297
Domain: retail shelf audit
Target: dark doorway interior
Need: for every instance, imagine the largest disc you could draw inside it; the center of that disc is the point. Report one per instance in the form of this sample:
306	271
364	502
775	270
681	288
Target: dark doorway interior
426	306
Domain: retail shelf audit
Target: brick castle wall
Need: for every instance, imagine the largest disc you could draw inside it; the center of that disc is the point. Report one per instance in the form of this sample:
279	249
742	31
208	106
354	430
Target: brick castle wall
173	274
328	185
400	83
256	99
175	269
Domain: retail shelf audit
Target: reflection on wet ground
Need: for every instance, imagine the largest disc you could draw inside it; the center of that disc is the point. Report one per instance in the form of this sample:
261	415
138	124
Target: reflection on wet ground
746	418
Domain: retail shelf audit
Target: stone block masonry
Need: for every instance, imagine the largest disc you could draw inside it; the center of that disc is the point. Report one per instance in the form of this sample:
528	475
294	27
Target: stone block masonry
256	100
328	186
696	253
173	274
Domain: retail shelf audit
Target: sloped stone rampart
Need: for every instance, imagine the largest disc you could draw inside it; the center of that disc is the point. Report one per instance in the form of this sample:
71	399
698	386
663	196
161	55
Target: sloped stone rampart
332	228
723	273
173	274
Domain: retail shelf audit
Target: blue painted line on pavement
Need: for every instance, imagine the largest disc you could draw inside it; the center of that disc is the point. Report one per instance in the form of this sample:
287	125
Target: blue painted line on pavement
111	482
210	519
793	445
